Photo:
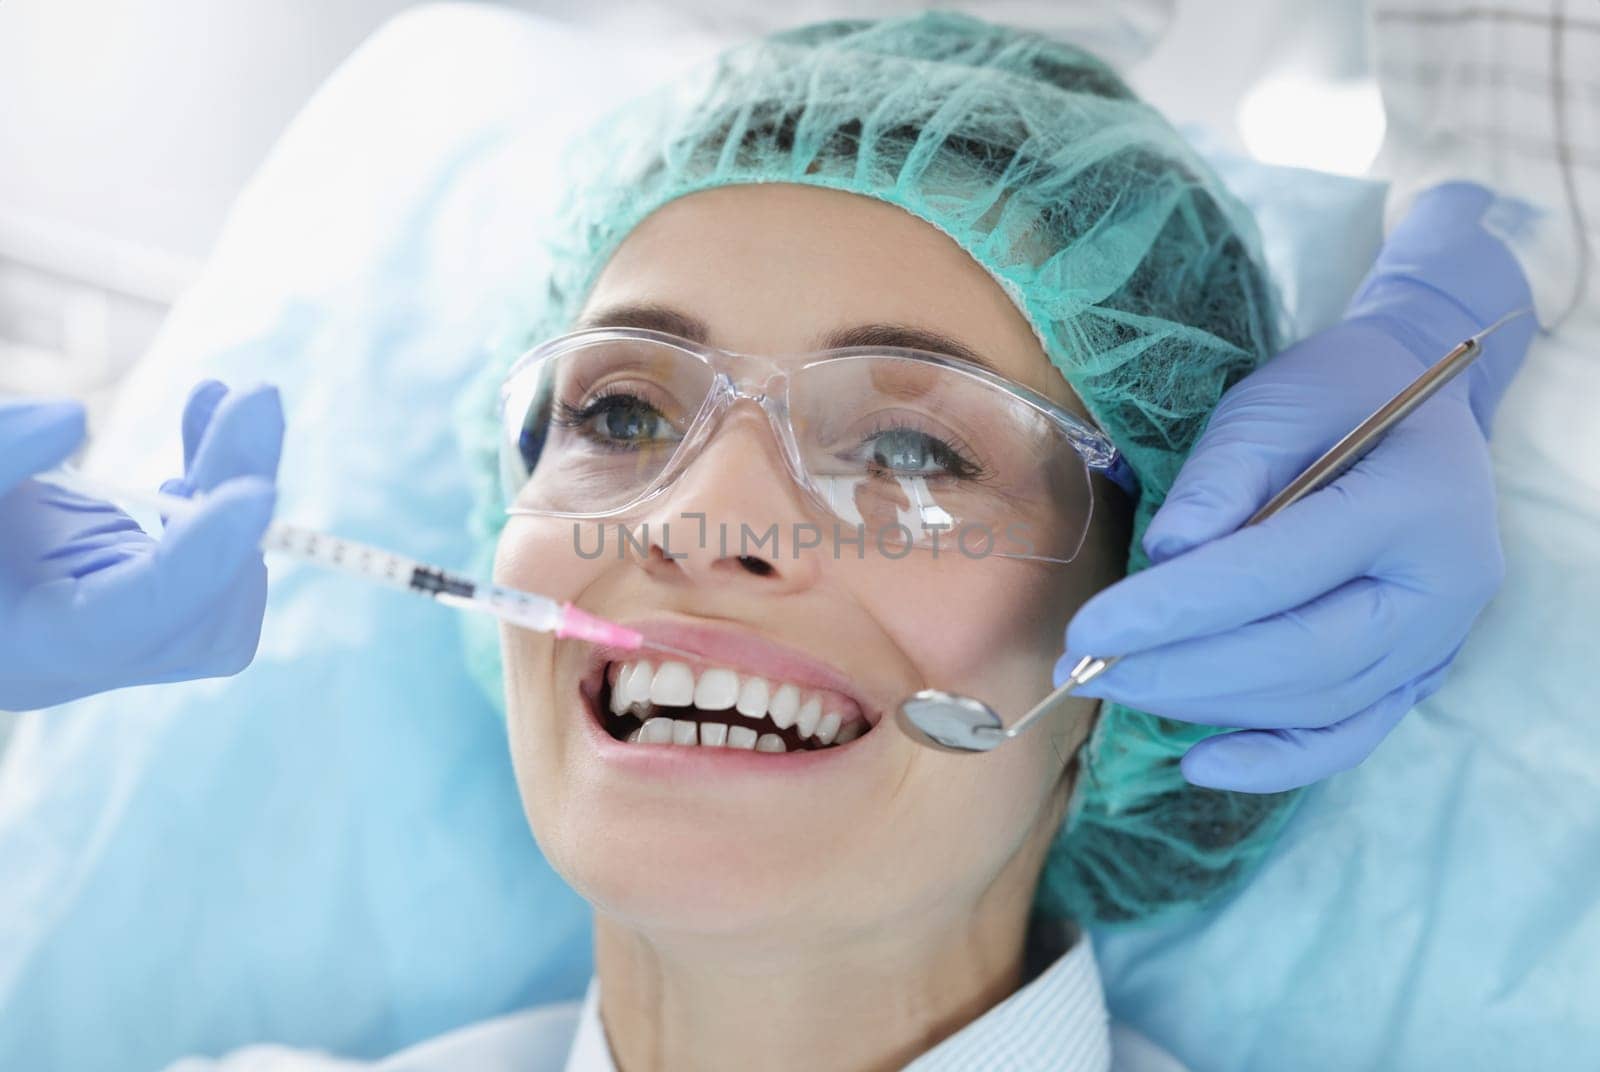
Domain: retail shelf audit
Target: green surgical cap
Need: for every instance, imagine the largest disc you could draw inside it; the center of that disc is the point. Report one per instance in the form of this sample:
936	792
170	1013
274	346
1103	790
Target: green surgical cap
1138	271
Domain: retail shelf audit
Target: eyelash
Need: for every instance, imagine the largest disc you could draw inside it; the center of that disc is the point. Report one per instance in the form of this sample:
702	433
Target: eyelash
565	415
952	442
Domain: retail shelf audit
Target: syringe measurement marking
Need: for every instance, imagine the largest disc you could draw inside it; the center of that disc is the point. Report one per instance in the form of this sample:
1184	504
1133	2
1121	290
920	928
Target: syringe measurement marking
436	582
349	556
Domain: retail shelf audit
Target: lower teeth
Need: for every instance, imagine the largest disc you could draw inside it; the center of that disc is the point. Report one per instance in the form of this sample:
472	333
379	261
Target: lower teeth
659	730
706	735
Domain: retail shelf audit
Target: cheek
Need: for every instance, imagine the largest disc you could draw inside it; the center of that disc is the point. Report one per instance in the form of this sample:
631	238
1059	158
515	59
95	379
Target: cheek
537	555
991	628
540	555
985	807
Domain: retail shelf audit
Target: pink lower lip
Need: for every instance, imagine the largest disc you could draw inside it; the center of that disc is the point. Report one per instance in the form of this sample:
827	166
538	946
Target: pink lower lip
698	761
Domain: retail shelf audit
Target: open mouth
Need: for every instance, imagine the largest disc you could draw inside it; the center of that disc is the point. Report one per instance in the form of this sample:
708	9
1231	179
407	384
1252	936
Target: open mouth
672	703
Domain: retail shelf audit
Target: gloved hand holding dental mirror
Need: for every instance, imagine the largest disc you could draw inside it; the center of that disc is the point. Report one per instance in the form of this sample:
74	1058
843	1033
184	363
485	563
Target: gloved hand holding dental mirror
956	723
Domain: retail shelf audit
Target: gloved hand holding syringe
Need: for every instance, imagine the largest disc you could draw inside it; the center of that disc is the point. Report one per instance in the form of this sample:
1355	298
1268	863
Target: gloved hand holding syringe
525	609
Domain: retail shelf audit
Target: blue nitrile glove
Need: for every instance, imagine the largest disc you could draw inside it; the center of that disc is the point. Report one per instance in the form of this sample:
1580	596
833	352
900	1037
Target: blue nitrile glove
90	602
1316	630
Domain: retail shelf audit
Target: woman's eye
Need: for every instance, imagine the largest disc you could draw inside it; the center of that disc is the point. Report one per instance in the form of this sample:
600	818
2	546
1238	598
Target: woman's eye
620	418
908	452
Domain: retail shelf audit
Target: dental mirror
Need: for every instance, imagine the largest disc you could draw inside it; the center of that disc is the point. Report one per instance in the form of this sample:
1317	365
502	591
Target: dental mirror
949	722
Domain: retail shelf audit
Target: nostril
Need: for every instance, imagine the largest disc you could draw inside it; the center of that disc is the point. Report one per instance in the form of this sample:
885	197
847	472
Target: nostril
755	565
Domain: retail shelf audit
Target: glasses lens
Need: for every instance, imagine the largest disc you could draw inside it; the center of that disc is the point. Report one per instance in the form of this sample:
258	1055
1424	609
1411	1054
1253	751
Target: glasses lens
922	454
591	428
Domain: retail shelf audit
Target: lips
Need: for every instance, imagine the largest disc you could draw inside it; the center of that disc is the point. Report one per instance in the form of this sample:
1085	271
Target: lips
740	650
740	691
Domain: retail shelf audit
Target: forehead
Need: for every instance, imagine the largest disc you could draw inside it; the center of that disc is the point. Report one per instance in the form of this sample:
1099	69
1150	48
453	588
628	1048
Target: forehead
778	267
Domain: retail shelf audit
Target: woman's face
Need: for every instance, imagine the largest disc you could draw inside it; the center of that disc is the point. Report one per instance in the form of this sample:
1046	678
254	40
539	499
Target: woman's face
852	838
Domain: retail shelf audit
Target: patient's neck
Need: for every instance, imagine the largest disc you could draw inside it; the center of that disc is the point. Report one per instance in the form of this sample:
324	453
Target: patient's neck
779	1001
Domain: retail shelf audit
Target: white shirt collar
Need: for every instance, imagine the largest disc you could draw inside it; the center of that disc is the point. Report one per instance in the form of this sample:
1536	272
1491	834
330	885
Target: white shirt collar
590	1052
1057	1020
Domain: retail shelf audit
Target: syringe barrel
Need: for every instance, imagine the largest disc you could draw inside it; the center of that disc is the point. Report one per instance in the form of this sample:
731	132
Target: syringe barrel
522	608
347	556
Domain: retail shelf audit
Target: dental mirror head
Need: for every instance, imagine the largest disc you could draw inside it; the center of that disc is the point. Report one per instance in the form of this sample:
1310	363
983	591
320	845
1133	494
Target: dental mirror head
950	722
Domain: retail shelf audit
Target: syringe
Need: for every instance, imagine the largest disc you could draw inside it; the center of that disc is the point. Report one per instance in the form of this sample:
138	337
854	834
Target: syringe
526	609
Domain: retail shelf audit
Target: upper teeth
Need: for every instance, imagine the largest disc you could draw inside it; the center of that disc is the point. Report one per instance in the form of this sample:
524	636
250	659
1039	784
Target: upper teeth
823	716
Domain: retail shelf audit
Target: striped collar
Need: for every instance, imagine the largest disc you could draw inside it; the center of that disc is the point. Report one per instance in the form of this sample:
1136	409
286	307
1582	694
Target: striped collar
1056	1021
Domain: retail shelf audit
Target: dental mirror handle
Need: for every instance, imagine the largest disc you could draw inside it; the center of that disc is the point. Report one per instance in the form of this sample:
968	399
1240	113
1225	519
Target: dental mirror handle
1088	667
1333	464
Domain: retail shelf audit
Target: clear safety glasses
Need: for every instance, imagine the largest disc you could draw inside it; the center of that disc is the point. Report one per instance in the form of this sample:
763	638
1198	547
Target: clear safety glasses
899	448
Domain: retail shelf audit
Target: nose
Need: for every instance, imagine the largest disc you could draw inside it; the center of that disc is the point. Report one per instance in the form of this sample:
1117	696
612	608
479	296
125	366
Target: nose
734	518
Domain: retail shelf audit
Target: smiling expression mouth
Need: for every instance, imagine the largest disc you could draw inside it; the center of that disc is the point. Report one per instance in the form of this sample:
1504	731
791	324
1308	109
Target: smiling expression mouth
672	703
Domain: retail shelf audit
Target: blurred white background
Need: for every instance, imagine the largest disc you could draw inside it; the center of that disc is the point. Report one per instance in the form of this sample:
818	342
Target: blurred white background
128	126
126	129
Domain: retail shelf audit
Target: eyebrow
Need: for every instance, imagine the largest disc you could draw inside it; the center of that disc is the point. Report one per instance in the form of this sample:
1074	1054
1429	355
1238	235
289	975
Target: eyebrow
649	316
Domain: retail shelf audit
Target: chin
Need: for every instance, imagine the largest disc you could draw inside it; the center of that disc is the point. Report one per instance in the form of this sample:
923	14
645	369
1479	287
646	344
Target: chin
699	870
